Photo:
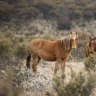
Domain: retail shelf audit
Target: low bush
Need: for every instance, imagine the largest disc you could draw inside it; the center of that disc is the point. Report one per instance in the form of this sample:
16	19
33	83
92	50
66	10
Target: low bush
5	45
64	24
88	15
78	85
75	15
20	50
81	84
8	86
90	62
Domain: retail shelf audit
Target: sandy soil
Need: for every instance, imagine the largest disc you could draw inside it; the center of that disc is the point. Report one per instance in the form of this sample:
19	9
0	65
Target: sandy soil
41	82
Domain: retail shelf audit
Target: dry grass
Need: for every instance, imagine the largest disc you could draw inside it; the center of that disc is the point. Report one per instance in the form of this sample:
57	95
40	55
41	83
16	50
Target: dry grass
80	84
90	63
7	85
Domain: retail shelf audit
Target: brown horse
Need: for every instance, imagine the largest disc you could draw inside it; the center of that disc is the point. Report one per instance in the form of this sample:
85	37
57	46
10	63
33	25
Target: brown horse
91	46
57	50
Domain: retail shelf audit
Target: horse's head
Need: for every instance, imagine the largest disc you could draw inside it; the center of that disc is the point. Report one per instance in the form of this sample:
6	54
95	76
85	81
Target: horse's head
73	39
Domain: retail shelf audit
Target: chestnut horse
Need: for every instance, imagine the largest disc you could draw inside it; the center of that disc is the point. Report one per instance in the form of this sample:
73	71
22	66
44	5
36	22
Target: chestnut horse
91	46
56	50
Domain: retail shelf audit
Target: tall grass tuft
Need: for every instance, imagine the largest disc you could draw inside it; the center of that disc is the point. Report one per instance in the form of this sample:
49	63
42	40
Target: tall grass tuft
80	84
8	86
90	62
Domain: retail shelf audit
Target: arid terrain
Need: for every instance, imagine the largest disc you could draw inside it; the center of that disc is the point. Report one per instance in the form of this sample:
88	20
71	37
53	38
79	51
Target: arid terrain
40	83
23	20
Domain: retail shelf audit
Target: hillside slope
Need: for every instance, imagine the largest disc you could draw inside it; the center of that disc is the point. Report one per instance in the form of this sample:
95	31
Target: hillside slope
63	11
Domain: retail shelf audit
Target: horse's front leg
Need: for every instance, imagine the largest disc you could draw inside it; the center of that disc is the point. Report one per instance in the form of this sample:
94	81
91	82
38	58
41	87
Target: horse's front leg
56	67
63	69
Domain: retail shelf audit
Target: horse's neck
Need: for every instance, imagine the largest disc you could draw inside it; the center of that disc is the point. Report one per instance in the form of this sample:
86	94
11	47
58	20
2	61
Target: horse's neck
68	44
64	50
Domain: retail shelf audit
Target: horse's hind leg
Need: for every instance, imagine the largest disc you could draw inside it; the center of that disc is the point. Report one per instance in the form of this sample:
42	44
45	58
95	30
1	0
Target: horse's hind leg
35	62
28	61
63	70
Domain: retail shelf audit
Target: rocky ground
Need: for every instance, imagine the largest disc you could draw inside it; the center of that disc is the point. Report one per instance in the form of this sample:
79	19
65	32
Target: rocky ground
40	83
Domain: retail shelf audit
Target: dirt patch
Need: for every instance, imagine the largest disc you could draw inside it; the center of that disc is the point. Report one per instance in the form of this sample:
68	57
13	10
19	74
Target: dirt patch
40	83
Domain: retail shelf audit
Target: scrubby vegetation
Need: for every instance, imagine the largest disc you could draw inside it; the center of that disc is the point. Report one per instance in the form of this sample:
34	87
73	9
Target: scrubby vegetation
11	83
11	46
81	84
7	87
78	86
12	51
23	20
90	63
66	10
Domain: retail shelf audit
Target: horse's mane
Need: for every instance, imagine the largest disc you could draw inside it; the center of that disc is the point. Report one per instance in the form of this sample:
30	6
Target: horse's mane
66	42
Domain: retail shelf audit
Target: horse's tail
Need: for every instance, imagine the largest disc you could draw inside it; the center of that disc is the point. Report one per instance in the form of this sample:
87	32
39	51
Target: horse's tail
28	60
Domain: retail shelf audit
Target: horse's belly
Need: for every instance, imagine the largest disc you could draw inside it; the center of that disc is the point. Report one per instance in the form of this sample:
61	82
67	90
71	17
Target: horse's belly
49	59
48	56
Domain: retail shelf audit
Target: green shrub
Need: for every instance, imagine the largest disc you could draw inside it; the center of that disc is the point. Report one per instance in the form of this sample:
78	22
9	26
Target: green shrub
88	15
5	45
75	14
78	85
64	24
7	84
79	52
90	62
20	50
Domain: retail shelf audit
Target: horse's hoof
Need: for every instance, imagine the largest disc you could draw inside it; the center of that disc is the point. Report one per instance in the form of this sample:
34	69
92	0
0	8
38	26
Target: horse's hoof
34	71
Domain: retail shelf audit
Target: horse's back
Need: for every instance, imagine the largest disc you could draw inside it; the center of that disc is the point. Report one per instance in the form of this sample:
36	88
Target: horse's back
34	44
42	44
